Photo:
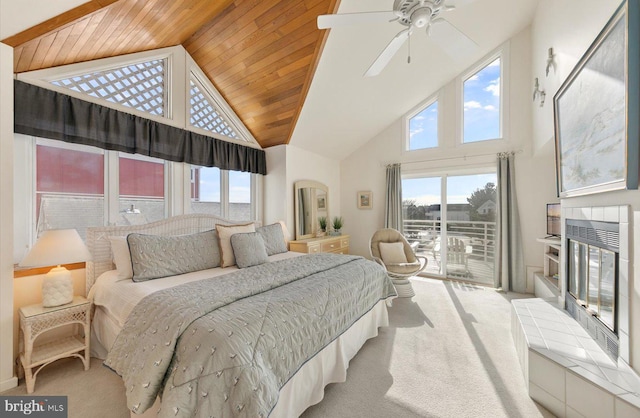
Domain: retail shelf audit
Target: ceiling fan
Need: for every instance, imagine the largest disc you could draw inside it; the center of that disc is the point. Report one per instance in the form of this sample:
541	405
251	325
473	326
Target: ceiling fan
414	14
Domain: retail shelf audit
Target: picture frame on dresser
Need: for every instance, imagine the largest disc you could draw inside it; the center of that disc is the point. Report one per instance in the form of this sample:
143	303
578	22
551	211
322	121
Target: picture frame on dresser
597	111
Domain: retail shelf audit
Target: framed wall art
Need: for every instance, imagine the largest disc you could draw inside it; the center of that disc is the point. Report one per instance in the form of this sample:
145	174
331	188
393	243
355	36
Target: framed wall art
365	200
597	111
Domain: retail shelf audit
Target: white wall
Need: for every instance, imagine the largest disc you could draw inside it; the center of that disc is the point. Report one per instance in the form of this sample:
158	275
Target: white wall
570	26
288	164
7	378
365	169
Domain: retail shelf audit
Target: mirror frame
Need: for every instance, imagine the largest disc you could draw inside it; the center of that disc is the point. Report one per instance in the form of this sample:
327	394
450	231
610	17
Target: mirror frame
303	184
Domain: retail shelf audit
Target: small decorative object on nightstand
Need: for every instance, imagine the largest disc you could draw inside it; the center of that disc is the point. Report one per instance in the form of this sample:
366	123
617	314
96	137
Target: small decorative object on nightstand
36	319
57	247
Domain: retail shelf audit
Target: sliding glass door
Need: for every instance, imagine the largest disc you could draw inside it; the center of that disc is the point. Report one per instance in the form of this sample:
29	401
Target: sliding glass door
453	219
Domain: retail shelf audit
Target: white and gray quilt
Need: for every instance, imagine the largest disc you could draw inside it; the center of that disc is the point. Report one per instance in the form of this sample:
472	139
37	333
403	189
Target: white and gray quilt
225	346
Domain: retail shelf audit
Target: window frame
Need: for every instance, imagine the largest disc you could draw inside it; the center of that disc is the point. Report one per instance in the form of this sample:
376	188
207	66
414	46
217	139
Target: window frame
255	193
177	188
501	52
195	73
406	131
44	78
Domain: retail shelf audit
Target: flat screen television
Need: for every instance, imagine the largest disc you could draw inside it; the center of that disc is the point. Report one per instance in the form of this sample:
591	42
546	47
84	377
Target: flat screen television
553	219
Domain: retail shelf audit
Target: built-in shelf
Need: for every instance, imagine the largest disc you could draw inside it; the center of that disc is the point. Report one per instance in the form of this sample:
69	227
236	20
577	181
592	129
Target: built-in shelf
546	282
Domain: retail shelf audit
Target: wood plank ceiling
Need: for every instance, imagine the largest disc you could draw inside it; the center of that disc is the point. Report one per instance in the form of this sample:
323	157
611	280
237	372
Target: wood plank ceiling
260	54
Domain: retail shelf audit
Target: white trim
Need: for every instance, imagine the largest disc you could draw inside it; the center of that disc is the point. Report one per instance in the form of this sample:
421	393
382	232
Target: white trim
502	52
111	187
224	194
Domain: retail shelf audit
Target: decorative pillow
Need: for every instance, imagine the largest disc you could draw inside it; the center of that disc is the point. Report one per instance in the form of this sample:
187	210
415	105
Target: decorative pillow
392	252
156	256
224	236
249	249
273	237
121	257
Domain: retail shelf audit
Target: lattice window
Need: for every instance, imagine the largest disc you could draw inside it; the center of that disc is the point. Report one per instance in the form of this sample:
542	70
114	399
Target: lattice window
140	86
205	115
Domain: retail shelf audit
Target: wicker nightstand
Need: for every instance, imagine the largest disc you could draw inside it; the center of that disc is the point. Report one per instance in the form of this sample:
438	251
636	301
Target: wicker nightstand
35	320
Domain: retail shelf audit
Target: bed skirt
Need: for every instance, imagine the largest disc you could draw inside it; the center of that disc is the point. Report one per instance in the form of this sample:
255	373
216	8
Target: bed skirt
330	365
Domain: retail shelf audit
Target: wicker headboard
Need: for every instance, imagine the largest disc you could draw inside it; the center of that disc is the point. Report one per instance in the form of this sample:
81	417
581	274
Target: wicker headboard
100	246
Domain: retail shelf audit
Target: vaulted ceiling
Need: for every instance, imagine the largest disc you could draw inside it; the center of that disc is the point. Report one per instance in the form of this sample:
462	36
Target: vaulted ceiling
260	54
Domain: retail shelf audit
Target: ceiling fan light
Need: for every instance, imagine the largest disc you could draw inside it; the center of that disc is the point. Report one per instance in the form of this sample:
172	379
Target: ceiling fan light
421	17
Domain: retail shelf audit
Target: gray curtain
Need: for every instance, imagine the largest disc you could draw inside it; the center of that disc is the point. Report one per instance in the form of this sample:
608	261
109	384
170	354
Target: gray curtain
49	114
393	198
510	271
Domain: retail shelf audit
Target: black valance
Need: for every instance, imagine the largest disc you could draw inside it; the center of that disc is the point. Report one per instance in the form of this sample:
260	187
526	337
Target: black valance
49	114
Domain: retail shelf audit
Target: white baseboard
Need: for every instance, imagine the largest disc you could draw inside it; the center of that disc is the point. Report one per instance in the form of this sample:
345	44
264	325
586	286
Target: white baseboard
8	384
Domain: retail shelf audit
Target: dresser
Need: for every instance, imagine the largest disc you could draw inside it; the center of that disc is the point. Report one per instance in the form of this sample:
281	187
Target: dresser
329	244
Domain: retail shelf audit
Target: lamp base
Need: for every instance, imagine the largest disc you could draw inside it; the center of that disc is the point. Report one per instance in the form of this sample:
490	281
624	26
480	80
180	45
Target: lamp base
57	287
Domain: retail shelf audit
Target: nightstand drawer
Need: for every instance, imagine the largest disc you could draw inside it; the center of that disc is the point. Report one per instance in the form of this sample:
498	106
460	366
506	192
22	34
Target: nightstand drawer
344	243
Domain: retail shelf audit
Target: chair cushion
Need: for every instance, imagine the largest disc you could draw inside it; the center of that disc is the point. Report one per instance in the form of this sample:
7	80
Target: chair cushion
403	268
392	252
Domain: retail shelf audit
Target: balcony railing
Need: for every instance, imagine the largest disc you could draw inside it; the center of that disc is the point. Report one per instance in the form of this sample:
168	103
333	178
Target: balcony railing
476	261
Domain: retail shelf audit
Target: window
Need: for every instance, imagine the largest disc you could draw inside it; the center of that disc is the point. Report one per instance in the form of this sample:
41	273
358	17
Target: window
458	210
482	104
69	187
141	186
239	195
423	128
204	114
205	190
228	194
140	86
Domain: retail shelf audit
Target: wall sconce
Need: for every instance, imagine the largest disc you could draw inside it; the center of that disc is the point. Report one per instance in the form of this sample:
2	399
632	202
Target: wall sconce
550	62
537	93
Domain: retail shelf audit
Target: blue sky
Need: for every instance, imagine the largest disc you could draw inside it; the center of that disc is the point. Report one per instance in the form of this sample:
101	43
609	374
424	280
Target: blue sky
239	186
482	104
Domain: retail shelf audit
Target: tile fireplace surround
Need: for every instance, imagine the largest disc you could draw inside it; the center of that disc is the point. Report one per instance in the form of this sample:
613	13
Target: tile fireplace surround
566	371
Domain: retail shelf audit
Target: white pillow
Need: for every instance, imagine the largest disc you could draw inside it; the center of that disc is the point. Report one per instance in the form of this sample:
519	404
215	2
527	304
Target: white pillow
121	257
227	257
392	252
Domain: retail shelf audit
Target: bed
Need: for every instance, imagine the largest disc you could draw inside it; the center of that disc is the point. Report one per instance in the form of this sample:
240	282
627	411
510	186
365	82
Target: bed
252	338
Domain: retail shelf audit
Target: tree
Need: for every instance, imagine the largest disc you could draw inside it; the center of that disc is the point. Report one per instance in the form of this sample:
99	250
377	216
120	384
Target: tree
479	198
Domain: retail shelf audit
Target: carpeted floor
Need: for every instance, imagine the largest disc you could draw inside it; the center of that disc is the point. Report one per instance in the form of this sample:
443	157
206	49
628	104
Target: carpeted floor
447	352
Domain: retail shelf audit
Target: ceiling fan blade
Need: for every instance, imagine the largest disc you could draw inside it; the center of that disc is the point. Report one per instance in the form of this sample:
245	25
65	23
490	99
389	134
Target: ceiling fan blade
348	19
454	42
459	3
388	53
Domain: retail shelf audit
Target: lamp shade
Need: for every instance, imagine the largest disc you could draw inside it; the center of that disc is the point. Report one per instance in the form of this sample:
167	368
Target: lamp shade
55	247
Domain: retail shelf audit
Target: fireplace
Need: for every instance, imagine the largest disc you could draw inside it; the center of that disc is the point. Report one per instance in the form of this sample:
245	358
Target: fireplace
592	254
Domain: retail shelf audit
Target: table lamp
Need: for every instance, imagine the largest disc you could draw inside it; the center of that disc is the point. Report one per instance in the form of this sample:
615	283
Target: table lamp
53	248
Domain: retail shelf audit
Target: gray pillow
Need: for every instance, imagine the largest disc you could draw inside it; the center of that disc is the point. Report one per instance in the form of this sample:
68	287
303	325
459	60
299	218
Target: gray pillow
249	249
273	238
155	256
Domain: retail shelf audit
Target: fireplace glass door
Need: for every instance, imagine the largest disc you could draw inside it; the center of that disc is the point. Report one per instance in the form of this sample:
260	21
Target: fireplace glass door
592	273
